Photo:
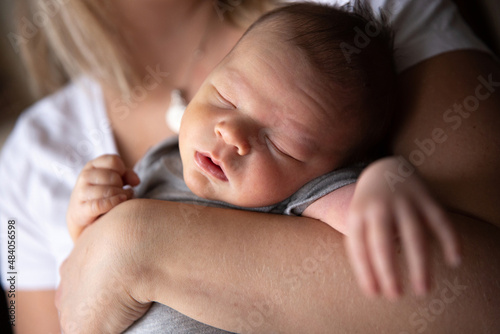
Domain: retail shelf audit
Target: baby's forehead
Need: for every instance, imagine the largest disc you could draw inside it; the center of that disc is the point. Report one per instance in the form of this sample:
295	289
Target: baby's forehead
269	34
292	73
300	115
272	46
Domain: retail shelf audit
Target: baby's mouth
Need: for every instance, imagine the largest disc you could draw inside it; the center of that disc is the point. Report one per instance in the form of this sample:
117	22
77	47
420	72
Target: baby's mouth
207	164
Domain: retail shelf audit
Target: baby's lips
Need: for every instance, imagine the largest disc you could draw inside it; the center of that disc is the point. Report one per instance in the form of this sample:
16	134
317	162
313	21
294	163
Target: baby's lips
210	166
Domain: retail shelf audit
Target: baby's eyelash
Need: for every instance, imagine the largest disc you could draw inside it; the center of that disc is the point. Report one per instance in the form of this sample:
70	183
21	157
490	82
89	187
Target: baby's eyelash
274	146
277	149
223	100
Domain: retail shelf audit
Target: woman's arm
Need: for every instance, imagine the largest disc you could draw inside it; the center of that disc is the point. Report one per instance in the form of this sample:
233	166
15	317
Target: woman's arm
451	130
250	272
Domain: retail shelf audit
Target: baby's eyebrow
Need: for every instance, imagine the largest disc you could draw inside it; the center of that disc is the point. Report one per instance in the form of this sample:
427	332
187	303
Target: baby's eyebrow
234	81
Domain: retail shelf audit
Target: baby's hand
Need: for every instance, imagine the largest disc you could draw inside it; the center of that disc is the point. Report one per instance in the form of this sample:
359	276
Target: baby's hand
99	188
379	215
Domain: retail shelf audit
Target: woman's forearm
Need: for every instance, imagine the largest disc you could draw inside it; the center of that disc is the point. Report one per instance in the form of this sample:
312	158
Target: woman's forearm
243	271
251	272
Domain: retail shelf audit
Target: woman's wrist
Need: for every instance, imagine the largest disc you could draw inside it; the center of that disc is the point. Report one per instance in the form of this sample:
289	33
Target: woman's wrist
102	277
136	247
155	241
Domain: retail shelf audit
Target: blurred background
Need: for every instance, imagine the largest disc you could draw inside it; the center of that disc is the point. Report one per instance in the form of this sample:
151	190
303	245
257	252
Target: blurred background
14	93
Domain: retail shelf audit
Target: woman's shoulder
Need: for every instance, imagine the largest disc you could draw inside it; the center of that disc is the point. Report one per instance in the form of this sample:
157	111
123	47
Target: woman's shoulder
422	29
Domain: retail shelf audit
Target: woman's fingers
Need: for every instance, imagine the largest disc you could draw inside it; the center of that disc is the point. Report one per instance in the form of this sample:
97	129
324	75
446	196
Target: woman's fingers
358	255
382	251
411	229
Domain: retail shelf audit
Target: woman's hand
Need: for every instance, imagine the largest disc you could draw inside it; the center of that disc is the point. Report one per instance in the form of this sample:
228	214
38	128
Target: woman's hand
100	279
383	211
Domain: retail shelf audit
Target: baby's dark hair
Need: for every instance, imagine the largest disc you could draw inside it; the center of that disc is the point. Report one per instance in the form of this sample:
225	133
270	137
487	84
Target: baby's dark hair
352	53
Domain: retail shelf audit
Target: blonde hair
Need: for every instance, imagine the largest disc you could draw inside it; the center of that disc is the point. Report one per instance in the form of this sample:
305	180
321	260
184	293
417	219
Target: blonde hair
79	37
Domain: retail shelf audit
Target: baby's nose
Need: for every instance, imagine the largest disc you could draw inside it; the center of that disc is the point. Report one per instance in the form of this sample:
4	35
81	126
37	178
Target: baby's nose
233	134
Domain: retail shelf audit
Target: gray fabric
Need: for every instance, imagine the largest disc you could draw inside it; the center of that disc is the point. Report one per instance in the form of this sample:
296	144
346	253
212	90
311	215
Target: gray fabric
163	319
160	172
161	178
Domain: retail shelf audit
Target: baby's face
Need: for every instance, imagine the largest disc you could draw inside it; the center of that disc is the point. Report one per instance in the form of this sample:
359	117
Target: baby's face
256	131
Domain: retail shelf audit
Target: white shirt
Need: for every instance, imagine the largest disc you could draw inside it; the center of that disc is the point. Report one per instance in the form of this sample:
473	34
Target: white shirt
39	164
54	138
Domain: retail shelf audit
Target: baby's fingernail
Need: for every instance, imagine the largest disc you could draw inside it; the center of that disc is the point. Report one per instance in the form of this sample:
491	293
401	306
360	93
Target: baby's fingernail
422	288
393	295
371	292
398	292
122	197
393	291
456	260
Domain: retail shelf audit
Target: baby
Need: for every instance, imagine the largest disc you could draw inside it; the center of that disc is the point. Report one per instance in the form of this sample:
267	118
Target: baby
285	124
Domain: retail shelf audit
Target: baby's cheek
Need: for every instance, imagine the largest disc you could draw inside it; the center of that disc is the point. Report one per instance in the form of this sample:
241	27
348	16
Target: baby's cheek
262	190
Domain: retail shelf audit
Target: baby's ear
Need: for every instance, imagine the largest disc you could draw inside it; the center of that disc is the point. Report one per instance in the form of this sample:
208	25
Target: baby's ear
131	178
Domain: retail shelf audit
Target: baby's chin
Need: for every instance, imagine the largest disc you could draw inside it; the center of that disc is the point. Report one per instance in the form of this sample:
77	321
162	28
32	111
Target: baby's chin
202	188
208	191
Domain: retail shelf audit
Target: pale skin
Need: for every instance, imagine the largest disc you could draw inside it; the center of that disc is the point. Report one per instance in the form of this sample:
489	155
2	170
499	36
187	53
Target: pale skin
377	214
454	172
269	257
251	141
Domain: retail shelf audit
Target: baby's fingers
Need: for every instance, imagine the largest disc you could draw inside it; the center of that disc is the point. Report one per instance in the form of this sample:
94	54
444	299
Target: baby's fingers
441	226
413	239
100	206
382	250
131	178
107	161
106	177
358	255
96	192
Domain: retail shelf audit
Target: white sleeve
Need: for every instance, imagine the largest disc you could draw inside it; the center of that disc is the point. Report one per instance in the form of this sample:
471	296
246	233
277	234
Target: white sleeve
21	197
423	29
39	165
